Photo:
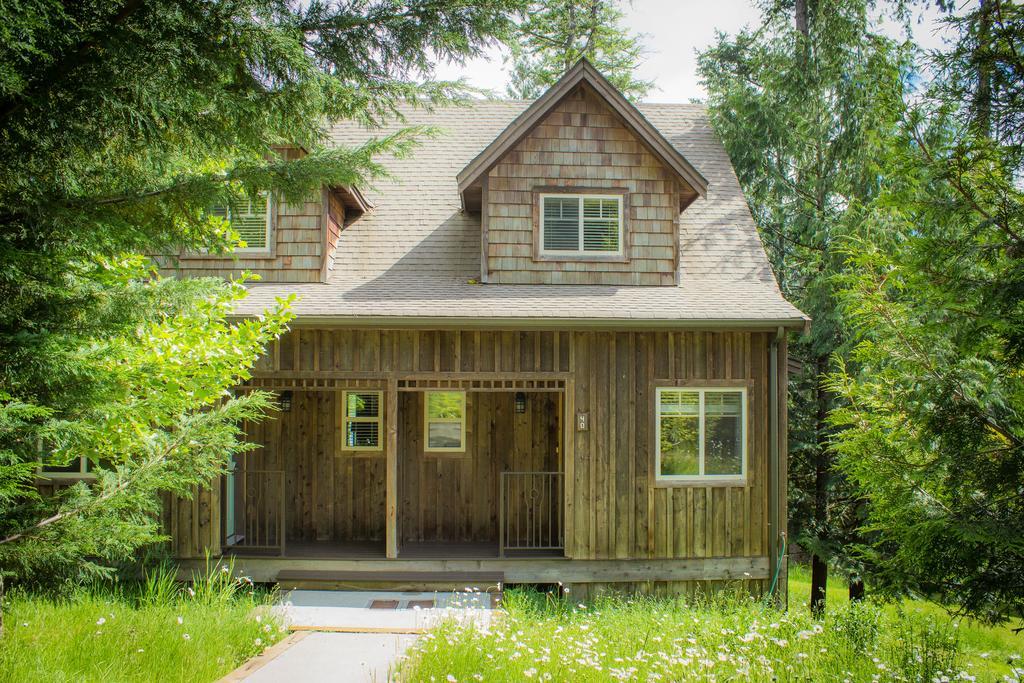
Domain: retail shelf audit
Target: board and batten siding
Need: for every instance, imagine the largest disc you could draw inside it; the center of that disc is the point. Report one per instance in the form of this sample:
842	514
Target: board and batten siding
580	143
615	510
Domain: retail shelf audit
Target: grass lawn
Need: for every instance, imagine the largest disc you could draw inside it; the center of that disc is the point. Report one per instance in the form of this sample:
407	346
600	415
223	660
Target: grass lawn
722	638
158	631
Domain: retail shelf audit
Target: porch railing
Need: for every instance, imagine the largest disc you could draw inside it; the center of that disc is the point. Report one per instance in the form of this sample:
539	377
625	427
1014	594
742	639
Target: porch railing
255	502
530	511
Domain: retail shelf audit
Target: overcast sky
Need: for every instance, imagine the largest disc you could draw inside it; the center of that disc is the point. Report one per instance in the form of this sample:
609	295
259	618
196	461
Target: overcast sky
675	30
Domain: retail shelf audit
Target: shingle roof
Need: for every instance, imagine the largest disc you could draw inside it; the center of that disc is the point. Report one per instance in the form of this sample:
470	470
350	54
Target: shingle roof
413	256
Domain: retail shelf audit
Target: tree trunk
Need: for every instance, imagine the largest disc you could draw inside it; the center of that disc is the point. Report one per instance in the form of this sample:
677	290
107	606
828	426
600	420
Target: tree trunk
819	581
982	104
800	17
856	590
822	468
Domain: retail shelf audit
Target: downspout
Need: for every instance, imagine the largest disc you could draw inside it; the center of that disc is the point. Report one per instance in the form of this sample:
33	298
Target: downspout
775	534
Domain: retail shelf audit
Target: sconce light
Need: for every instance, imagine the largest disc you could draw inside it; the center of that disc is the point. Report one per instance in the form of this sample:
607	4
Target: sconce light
520	402
285	401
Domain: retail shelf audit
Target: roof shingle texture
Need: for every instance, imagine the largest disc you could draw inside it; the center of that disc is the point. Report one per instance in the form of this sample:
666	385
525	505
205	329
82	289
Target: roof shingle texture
415	253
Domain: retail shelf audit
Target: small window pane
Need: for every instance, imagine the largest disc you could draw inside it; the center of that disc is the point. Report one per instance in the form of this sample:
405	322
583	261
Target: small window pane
362	434
444	405
601	225
249	219
76	466
723	433
679	445
561	223
362	405
444	435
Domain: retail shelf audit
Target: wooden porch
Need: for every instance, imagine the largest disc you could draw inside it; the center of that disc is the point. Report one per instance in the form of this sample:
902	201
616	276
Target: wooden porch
306	492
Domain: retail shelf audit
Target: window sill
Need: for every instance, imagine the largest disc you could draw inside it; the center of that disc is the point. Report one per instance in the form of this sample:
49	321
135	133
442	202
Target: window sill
583	258
65	476
738	482
230	256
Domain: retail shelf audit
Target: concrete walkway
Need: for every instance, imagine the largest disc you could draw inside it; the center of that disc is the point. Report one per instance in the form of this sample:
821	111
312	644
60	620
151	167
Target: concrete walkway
336	657
356	636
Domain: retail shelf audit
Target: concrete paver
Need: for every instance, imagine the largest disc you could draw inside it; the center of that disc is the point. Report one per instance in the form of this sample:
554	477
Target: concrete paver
336	657
358	636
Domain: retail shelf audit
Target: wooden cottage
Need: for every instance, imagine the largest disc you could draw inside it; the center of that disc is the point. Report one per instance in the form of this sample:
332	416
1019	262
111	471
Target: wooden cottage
549	349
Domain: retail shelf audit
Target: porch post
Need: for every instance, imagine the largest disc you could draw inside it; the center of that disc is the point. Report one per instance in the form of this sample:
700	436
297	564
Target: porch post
391	472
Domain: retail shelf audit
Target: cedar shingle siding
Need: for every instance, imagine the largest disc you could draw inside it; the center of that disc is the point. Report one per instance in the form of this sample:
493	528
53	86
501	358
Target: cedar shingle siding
581	143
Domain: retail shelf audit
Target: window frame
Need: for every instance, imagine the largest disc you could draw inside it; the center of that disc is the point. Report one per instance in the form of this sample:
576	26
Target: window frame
427	420
268	230
267	252
621	195
84	471
346	420
702	479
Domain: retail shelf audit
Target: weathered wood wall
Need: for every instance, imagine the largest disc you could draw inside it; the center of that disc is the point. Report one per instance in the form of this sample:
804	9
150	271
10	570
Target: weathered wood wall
454	496
330	494
376	353
614	508
617	510
298	244
581	143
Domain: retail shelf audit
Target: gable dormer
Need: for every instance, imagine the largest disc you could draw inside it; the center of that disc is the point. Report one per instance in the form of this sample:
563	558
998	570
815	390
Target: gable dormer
285	241
580	189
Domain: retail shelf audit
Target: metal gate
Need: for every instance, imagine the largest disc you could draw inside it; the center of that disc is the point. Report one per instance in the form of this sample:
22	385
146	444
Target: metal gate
530	512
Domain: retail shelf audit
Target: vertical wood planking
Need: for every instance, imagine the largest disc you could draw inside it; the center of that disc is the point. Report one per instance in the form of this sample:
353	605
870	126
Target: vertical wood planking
612	509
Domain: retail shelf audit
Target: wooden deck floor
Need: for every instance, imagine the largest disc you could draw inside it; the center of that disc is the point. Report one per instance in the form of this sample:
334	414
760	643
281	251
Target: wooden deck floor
328	550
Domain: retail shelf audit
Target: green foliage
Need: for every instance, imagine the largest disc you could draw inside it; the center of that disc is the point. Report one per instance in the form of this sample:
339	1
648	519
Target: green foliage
933	421
159	417
156	631
805	117
553	36
724	636
122	122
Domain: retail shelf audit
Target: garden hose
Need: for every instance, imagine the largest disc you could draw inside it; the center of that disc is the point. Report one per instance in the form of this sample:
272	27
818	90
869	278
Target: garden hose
778	568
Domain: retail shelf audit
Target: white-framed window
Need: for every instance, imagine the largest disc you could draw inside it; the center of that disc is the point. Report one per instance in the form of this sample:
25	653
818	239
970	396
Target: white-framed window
79	468
444	421
701	434
362	420
250	218
581	224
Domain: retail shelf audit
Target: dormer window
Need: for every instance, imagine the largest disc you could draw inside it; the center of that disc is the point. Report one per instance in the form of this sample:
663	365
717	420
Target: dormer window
581	225
250	218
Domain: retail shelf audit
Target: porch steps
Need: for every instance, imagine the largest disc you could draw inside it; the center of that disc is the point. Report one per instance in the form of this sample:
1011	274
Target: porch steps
389	580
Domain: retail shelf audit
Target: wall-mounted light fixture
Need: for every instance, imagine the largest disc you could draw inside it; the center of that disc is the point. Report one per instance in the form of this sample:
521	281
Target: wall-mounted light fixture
285	401
520	402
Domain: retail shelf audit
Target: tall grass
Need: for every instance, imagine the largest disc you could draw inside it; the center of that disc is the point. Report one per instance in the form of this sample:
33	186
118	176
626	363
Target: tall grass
723	637
154	630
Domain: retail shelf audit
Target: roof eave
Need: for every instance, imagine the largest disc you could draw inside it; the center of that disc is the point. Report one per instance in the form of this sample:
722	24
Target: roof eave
545	323
473	172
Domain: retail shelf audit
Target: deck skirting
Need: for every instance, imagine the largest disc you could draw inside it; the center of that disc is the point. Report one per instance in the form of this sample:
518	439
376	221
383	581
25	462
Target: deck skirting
517	570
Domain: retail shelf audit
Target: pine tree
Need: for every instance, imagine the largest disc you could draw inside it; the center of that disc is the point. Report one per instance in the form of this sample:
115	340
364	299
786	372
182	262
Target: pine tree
121	122
803	106
932	423
555	35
